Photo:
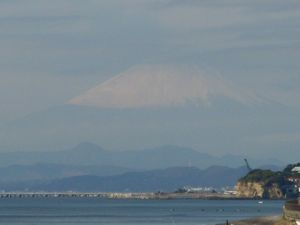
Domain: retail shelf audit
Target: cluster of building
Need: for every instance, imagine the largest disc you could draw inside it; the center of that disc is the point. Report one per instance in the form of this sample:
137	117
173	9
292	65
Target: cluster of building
291	209
188	189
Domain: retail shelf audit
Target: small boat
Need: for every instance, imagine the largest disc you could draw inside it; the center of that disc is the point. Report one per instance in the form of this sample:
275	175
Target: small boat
260	202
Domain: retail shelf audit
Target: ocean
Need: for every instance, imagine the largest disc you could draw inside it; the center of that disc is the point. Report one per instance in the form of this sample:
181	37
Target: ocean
85	211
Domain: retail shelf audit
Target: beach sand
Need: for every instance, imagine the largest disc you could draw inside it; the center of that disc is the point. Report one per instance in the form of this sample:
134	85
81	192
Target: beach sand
270	220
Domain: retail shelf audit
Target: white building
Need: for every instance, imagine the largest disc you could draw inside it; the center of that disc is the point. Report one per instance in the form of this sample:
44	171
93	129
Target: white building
296	169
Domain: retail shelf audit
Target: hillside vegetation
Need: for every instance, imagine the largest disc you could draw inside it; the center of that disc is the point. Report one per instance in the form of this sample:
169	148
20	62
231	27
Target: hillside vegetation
260	183
267	177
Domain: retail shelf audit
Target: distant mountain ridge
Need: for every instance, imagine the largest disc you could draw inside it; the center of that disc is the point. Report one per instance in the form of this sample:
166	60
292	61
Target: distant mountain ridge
169	179
211	128
88	167
162	157
48	171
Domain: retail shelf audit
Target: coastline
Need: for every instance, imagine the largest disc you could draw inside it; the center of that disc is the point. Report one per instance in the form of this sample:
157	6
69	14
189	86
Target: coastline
268	220
122	195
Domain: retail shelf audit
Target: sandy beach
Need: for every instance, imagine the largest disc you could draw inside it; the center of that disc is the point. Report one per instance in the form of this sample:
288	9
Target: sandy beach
270	220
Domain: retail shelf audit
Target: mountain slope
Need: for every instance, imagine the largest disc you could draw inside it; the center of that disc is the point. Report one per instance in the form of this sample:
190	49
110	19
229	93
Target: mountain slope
146	107
46	171
218	128
161	157
169	179
148	86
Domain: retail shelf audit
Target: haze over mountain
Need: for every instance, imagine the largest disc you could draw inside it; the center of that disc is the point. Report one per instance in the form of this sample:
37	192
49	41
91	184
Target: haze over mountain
150	106
169	179
221	77
49	171
150	86
87	154
88	167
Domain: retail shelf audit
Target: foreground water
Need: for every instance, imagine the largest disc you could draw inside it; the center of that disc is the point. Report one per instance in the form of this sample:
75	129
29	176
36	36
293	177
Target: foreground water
130	212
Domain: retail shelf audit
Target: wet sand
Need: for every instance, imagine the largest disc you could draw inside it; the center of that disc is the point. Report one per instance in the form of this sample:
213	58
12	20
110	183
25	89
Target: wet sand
270	220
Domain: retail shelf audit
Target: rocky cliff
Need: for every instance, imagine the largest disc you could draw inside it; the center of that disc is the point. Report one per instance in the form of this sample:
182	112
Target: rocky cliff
250	189
247	189
268	184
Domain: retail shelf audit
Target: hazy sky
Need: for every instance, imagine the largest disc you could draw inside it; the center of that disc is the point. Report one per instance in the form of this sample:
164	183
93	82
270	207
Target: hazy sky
55	50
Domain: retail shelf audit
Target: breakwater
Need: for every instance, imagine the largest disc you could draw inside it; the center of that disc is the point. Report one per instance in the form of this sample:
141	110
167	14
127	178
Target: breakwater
115	195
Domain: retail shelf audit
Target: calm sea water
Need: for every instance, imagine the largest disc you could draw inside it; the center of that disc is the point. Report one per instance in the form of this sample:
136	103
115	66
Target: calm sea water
130	212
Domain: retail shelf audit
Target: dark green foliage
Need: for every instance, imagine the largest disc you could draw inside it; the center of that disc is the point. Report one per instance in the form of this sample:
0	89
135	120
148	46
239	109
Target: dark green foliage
259	175
268	178
277	178
288	170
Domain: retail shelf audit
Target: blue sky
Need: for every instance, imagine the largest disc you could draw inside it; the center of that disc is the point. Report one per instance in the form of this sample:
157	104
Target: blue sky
53	51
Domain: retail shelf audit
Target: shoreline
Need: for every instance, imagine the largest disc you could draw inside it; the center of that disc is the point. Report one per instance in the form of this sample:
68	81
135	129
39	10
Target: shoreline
267	220
122	195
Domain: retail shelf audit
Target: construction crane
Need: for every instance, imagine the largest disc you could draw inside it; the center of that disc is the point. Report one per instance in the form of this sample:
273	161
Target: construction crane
247	165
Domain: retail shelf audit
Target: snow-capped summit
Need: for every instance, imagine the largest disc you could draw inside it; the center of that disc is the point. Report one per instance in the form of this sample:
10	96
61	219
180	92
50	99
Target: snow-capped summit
148	86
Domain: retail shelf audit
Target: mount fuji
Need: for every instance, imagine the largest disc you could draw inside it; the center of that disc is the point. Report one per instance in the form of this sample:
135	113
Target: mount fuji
157	86
149	106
